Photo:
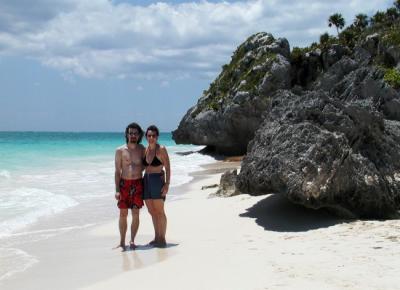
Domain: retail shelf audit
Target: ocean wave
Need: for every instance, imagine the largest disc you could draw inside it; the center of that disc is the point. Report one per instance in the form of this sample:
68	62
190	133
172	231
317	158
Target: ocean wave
15	239
5	174
183	165
24	206
13	261
52	231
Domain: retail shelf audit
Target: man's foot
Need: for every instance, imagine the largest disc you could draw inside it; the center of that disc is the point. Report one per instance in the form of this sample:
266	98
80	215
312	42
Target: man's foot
120	246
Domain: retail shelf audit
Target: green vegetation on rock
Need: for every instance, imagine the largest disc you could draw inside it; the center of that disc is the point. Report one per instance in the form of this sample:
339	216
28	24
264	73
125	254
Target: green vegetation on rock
361	21
251	62
239	71
298	53
392	37
385	23
392	77
255	72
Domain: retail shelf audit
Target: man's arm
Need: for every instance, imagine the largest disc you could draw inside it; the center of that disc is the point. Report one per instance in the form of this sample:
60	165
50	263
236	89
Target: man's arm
118	170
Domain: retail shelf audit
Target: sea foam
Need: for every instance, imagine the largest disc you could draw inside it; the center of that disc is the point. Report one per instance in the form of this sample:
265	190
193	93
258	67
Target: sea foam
13	261
5	174
182	166
24	206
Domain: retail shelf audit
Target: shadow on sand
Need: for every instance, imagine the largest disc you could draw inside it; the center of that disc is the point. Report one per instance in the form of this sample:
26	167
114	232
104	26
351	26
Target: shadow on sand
149	247
276	213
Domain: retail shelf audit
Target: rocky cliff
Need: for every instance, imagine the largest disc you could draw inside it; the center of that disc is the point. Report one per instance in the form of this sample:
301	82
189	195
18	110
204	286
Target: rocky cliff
320	125
228	113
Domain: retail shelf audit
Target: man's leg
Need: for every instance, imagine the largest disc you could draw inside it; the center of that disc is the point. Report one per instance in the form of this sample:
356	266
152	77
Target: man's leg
150	208
161	220
123	225
134	226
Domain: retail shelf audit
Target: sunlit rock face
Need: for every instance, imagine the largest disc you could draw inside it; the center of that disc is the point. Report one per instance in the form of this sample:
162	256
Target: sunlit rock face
228	113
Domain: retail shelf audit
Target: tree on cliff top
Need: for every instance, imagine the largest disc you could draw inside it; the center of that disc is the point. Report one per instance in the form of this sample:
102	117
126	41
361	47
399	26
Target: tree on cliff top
336	20
378	18
361	20
392	14
397	4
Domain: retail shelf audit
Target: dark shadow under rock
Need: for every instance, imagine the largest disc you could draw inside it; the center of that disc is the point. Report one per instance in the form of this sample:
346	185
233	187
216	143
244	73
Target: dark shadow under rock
276	213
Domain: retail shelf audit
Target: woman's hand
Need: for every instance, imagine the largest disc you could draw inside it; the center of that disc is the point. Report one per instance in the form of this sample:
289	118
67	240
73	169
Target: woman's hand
164	189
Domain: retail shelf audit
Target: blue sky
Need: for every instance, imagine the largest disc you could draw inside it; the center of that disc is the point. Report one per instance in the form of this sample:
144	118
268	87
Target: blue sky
96	65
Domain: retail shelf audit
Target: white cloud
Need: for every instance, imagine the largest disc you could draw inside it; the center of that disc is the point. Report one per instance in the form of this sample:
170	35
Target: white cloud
164	84
98	38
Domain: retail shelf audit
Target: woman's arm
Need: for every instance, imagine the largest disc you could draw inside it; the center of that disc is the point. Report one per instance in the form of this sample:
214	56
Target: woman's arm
165	159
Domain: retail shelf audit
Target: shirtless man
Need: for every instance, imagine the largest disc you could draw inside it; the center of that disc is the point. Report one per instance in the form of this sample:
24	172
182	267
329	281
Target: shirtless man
129	182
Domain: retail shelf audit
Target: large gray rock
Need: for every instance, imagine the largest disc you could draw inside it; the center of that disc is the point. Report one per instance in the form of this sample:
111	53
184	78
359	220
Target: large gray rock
322	153
377	46
228	113
394	53
334	144
227	185
330	123
333	54
334	74
371	43
306	68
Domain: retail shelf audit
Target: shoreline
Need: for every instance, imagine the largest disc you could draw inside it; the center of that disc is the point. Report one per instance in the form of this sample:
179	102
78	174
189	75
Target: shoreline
53	230
240	242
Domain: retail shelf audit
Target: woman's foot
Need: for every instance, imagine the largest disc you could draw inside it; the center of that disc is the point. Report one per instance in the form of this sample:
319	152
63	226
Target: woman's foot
132	245
153	242
161	244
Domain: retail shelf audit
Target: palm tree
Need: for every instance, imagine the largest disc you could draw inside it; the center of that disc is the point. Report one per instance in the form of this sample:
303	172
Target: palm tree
336	20
361	21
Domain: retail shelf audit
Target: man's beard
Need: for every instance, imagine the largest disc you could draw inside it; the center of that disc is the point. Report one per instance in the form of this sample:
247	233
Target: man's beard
132	141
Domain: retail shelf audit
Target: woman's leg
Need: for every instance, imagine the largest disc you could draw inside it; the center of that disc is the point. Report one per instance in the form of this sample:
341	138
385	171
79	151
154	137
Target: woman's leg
150	208
161	220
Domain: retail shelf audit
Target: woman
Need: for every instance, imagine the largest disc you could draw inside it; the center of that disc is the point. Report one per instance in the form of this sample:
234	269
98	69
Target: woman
156	184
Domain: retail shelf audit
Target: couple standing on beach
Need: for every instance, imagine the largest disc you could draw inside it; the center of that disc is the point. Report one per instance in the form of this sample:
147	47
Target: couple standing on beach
132	187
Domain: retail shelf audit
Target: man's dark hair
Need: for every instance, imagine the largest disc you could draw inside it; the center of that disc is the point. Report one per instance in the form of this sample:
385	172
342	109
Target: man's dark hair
134	126
153	128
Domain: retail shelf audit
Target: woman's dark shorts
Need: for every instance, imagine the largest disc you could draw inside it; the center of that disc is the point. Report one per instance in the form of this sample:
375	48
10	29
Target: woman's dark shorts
153	182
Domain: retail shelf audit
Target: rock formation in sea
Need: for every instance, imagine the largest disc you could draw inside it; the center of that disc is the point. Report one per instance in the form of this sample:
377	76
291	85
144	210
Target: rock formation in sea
320	125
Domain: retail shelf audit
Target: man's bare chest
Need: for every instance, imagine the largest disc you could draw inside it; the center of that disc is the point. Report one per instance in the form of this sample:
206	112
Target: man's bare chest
131	157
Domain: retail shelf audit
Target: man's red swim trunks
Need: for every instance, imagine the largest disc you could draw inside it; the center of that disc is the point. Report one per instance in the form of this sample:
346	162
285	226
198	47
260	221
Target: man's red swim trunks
131	191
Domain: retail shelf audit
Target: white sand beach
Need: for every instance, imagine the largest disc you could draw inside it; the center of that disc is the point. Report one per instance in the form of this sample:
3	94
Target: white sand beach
241	242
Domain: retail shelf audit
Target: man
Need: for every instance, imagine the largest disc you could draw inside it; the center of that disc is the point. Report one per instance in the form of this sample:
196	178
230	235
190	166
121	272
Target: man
128	181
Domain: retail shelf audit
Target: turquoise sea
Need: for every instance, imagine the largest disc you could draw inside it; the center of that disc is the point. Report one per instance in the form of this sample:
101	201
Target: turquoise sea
20	151
48	177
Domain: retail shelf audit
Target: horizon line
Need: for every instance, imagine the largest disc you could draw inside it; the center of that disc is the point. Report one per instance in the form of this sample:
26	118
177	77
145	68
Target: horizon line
32	131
